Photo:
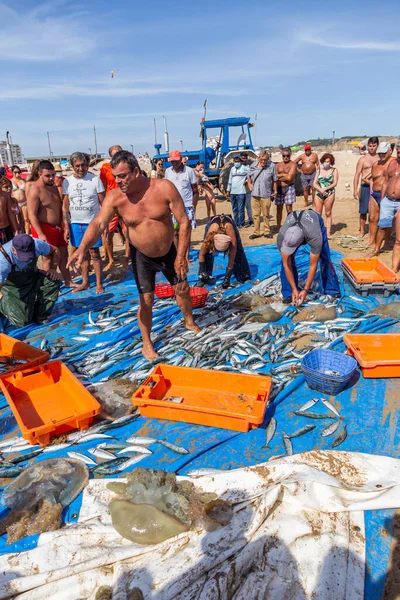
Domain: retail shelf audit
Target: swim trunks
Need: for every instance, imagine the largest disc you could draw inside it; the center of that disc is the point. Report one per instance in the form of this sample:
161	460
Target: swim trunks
145	269
286	195
389	208
307	179
377	197
6	234
365	193
78	230
54	234
191	216
113	224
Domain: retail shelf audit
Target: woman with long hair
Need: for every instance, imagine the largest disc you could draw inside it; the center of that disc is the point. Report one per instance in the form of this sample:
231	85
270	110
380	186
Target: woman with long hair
206	188
325	182
19	193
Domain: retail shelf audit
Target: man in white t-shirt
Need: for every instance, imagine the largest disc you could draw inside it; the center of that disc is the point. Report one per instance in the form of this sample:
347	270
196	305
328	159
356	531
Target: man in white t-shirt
185	180
83	194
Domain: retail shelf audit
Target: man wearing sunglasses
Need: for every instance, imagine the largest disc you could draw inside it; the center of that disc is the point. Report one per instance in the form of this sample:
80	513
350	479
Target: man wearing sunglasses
286	171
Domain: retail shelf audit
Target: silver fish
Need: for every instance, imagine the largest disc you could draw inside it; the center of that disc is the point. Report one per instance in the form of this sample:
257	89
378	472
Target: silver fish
340	438
270	431
302	431
330	407
200	472
331	428
131	461
309	404
111	447
81	338
93	436
99	453
173	447
81	457
56	447
311	415
288	444
135	448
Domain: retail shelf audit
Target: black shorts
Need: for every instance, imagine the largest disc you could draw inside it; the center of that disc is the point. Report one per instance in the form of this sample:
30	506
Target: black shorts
145	269
365	193
6	235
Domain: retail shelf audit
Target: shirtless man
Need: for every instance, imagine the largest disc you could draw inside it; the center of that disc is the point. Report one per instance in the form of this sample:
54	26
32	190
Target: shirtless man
8	222
145	206
389	208
309	164
378	177
363	171
45	216
286	172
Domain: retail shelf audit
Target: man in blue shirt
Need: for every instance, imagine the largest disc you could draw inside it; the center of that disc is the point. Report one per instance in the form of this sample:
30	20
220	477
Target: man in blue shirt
237	190
27	294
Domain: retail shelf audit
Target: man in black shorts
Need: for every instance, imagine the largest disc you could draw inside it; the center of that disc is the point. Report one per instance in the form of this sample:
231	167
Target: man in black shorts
145	206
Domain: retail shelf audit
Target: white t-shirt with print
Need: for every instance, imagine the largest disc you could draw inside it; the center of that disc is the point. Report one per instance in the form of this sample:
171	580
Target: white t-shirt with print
82	192
183	181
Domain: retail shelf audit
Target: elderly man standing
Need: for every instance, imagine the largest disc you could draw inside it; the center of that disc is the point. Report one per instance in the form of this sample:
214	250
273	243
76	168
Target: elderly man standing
263	184
109	183
237	190
247	162
307	165
185	180
83	194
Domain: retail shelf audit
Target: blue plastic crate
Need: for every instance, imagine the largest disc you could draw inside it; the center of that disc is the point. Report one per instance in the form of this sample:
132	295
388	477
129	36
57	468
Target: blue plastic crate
316	362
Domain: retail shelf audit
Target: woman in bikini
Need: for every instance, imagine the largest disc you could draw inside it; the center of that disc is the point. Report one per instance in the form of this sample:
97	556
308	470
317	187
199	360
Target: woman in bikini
206	188
18	193
325	182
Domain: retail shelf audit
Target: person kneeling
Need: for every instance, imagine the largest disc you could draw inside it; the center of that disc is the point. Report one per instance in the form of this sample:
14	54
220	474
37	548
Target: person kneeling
222	235
27	295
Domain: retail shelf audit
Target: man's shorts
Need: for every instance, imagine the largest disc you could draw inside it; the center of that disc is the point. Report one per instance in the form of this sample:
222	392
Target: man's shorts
145	269
365	193
6	234
78	230
388	211
307	179
54	234
191	217
286	195
113	224
377	197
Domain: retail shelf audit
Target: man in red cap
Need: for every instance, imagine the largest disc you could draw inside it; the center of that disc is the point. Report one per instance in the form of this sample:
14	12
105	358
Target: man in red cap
307	164
109	183
185	180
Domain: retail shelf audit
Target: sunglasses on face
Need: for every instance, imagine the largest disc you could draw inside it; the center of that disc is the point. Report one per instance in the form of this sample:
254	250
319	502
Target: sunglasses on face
285	155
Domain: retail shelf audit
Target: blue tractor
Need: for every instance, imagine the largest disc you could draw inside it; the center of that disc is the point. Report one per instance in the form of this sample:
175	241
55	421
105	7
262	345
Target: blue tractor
222	139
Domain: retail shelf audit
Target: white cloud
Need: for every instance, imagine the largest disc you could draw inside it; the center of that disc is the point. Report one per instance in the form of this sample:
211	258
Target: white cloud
353	45
40	35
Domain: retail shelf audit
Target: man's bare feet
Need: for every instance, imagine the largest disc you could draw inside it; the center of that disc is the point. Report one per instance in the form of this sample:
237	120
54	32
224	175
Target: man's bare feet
193	327
81	288
99	289
149	352
372	253
371	243
109	266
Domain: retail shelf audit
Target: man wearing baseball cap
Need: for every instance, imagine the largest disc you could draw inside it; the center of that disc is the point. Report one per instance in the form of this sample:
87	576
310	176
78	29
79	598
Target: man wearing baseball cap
305	227
185	180
307	164
27	295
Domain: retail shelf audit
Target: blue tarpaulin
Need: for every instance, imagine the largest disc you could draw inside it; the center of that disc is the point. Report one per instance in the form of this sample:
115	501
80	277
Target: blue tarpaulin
369	407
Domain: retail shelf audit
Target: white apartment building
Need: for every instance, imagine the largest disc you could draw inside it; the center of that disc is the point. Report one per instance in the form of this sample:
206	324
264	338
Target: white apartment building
15	151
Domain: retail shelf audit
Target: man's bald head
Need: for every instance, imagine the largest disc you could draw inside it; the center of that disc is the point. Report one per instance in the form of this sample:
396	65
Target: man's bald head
113	150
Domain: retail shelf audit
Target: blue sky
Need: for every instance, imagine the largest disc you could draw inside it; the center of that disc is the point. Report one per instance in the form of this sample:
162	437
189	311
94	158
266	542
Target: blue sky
304	68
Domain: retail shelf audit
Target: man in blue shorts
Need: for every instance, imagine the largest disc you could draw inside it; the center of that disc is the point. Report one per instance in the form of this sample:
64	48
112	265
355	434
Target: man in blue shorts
363	171
83	194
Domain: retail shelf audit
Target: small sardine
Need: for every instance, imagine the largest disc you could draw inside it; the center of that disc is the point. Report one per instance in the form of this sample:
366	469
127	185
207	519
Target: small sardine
81	338
173	447
82	458
142	441
56	447
93	436
99	453
119	422
110	467
331	428
24	457
270	431
135	448
311	415
111	447
302	431
340	438
330	407
131	461
308	404
288	444
11	472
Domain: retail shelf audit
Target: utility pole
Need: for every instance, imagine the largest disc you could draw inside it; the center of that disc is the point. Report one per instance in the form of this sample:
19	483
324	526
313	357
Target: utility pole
95	139
333	137
131	145
166	137
155	131
90	151
255	129
181	141
48	139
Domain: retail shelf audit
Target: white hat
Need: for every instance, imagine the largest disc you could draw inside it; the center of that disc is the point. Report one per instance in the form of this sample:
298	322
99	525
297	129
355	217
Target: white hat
383	148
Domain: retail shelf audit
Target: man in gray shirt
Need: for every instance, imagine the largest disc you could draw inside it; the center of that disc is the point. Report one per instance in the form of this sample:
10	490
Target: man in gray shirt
305	227
263	183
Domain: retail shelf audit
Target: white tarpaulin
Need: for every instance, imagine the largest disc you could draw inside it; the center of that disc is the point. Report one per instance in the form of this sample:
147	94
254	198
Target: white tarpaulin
297	532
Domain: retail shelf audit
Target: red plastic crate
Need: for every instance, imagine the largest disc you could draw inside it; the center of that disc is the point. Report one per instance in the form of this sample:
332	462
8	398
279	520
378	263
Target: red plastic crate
198	296
164	290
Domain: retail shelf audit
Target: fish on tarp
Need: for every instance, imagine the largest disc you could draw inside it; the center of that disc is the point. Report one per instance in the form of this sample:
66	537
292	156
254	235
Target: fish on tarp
249	301
319	314
263	314
387	310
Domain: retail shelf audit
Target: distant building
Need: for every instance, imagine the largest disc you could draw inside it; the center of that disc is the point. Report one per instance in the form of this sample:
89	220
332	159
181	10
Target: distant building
14	150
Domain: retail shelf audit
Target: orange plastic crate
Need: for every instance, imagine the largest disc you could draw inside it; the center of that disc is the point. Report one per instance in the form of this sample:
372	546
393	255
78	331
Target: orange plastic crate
214	398
9	346
369	270
377	354
48	400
